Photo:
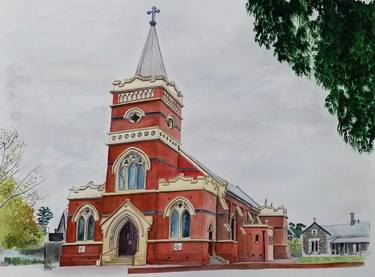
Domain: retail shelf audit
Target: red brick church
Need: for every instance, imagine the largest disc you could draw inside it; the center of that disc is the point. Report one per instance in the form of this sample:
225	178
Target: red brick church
159	205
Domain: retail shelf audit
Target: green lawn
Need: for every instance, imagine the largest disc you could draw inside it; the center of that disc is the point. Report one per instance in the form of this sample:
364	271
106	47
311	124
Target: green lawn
330	259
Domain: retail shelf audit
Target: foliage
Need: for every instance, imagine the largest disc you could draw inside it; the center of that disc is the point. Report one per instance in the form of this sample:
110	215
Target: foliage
11	151
18	227
295	248
22	261
297	229
330	259
44	216
333	42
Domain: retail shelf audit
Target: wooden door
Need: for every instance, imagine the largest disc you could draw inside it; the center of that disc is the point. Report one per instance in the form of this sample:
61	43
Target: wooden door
128	241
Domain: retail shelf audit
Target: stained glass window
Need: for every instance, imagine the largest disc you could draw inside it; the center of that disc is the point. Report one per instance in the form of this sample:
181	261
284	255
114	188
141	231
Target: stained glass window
185	224
132	172
141	177
133	168
121	180
175	225
91	228
81	229
180	220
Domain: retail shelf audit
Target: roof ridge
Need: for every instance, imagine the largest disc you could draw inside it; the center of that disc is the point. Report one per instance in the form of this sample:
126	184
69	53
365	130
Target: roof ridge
346	223
220	179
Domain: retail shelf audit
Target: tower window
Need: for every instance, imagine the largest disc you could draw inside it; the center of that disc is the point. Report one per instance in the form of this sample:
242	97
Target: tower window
134	115
170	122
132	174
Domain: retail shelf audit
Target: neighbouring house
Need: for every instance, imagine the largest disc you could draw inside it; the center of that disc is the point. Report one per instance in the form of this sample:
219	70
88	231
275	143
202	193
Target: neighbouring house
159	205
60	231
339	239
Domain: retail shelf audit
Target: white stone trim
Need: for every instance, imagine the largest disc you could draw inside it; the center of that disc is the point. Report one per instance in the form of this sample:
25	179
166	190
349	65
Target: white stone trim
183	240
136	95
143	134
88	191
138	82
189	206
83	243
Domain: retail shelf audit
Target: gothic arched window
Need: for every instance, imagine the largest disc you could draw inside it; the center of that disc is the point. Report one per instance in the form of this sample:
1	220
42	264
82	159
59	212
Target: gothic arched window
85	218
179	219
132	172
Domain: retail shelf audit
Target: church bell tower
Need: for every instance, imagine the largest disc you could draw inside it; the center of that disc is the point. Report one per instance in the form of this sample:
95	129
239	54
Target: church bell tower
146	119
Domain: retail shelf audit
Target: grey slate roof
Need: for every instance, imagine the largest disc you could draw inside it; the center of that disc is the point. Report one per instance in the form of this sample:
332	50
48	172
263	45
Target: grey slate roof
151	61
231	189
359	229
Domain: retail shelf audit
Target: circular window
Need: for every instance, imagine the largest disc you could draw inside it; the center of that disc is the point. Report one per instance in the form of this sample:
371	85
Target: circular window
170	122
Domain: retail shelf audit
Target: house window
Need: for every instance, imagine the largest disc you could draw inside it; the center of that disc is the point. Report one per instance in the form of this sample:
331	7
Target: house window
314	246
132	173
85	224
179	217
313	231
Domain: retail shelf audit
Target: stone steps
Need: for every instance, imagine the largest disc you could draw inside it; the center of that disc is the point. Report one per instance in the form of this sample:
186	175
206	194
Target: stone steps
218	260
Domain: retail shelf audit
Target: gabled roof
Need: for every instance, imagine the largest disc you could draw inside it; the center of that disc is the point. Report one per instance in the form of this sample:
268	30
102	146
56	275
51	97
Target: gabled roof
61	228
316	224
233	190
359	229
151	62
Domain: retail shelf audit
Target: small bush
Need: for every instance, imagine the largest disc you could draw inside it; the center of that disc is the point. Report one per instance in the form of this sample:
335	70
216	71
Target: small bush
22	261
295	248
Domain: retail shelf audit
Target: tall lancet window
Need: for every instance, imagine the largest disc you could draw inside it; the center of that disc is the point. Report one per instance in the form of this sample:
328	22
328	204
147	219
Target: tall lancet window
179	213
85	218
132	172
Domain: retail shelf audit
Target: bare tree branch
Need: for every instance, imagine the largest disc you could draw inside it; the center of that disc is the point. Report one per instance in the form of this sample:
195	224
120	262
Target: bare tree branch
11	150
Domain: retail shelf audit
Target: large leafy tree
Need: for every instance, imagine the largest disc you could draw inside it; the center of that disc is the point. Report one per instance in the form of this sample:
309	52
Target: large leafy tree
18	227
332	42
44	216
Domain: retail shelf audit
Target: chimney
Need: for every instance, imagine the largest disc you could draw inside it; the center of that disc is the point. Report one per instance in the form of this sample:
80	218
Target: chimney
352	219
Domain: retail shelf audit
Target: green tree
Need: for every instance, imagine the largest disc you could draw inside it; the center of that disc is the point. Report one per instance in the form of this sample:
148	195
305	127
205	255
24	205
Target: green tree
297	229
44	216
295	248
332	42
18	227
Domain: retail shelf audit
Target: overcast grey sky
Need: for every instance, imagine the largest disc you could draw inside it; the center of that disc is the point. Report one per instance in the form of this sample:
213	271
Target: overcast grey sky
246	116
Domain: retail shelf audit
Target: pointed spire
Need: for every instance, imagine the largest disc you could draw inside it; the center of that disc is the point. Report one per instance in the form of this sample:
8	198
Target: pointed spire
151	61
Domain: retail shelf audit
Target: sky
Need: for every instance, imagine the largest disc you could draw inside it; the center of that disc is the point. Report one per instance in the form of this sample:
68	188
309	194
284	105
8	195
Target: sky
246	116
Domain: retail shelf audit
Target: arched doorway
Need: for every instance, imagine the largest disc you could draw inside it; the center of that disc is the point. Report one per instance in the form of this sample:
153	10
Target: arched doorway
128	240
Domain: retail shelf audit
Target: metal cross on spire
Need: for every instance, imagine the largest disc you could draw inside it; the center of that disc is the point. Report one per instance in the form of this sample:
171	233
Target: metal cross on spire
153	12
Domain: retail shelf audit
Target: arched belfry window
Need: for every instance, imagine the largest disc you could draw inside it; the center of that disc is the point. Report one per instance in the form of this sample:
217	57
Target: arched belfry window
85	218
179	212
131	172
